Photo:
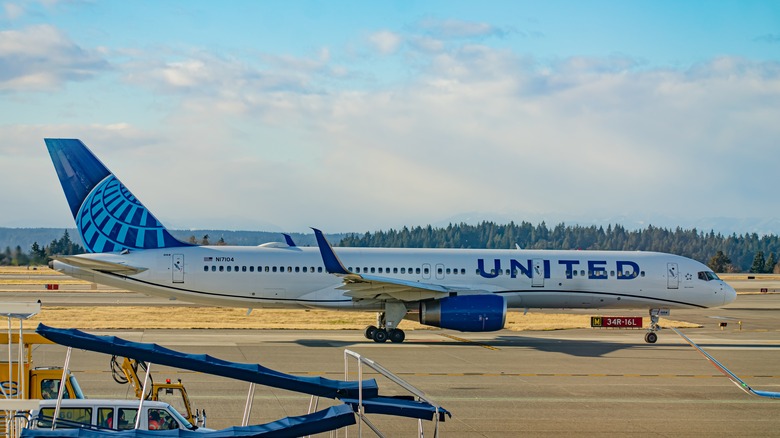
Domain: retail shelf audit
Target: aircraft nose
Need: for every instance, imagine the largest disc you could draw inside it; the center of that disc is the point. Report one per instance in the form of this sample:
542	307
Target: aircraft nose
729	294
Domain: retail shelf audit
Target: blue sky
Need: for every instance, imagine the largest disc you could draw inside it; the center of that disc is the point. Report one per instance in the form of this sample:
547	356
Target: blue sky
358	116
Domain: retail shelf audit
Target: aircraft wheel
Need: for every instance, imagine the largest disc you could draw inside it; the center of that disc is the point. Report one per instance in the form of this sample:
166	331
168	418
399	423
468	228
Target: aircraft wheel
397	335
380	335
651	337
370	330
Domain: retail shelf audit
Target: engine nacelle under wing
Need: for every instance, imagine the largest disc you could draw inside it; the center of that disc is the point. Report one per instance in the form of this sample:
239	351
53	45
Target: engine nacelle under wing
467	313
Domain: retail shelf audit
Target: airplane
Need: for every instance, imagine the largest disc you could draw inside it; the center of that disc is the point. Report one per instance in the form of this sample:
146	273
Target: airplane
469	290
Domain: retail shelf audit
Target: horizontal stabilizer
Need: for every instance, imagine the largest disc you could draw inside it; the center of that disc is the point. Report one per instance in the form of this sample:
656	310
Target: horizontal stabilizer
100	265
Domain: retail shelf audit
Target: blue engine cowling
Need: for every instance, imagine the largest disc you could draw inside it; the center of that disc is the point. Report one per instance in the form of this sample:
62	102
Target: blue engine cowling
467	313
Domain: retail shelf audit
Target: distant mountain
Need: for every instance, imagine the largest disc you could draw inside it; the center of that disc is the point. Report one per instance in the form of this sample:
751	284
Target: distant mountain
25	237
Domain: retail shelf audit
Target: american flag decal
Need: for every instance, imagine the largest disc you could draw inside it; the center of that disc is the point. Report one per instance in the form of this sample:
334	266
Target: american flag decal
208	259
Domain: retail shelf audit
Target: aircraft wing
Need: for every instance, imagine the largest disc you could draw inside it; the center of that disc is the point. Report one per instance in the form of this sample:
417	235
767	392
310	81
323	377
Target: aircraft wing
382	288
362	286
99	265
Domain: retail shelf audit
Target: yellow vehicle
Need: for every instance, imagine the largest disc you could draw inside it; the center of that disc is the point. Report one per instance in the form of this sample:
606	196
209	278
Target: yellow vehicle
33	383
172	393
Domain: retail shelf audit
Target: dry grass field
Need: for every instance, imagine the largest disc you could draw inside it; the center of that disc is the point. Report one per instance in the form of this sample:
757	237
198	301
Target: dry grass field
168	317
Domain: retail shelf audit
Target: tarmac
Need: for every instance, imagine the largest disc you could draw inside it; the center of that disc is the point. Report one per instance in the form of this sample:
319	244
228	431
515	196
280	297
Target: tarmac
575	382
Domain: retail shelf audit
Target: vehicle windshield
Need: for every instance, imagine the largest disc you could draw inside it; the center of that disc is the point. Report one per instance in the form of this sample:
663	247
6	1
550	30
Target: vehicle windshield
708	276
76	388
181	419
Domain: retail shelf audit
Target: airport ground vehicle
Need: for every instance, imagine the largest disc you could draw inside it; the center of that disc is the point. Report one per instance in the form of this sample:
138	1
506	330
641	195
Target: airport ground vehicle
110	414
20	380
33	383
173	393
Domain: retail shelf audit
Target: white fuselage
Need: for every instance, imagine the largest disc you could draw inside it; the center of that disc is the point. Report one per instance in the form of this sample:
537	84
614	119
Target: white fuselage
295	277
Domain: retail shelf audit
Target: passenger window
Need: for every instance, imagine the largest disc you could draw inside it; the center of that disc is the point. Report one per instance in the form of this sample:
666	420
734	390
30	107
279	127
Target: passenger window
126	418
297	269
236	268
213	268
380	270
427	270
205	268
357	270
68	418
372	270
395	270
319	269
228	268
463	271
243	269
159	419
221	269
305	269
403	270
251	269
274	268
417	270
105	418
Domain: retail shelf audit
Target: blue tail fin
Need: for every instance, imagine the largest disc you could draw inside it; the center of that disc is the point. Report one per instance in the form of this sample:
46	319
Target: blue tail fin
108	217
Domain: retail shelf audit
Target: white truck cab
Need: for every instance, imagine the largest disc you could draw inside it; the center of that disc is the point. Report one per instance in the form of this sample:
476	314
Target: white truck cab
109	415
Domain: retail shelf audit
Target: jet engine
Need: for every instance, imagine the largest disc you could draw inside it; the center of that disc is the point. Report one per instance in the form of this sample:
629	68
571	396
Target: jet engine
467	313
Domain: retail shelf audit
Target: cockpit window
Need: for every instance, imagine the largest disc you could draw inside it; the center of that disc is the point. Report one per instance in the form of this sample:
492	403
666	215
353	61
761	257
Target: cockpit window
708	276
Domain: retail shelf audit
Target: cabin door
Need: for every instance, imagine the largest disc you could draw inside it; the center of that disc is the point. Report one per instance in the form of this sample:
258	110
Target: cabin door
672	276
177	268
537	277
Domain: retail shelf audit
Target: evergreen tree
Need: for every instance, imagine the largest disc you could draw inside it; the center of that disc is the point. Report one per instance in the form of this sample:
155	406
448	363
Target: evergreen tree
769	267
758	263
719	262
37	254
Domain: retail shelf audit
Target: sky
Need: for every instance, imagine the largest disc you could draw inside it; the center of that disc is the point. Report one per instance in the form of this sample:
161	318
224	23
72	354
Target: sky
363	116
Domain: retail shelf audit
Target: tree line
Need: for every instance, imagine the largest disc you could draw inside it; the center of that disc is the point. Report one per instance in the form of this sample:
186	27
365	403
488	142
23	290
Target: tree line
38	255
733	253
738	252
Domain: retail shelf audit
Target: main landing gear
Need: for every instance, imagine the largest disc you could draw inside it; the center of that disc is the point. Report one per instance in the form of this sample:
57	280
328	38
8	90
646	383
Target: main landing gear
386	323
650	336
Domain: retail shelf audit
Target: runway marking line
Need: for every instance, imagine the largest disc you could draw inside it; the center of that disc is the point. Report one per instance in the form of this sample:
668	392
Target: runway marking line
455	338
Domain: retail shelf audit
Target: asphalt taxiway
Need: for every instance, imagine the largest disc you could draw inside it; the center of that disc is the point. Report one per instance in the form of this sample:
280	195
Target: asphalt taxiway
572	382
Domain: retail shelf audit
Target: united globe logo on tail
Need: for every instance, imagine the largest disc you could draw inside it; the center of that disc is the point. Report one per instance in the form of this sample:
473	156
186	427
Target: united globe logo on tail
112	219
108	217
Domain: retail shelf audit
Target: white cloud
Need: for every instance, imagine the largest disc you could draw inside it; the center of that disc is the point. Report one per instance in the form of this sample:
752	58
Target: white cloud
385	42
13	11
42	57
